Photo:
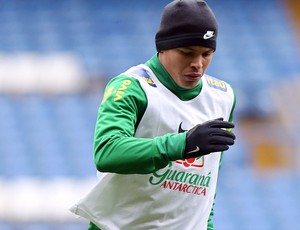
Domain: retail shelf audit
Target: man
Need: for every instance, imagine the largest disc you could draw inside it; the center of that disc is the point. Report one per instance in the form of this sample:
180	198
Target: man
161	129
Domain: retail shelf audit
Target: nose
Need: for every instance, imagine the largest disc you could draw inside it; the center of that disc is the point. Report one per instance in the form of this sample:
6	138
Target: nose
197	62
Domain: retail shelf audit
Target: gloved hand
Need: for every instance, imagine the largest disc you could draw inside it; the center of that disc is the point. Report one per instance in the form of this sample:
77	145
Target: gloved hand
208	137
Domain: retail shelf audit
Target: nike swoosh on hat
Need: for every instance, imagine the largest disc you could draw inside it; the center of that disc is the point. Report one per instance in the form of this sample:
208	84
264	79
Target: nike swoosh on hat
208	34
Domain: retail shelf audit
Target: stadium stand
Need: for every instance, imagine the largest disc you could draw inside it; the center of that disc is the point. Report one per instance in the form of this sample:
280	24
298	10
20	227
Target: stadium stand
48	137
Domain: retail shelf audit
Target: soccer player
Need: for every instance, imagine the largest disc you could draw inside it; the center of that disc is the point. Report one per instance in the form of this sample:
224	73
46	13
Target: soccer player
161	130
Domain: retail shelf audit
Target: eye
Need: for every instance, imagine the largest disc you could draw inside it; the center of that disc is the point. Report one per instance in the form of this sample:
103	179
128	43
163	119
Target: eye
207	54
186	52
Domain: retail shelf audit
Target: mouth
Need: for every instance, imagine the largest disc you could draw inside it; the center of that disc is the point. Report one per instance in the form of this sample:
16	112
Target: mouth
193	76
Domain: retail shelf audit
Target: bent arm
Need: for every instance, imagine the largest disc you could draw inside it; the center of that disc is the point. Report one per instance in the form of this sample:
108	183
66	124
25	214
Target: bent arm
115	147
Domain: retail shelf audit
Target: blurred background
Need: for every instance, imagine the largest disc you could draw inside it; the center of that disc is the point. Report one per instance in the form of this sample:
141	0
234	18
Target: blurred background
56	57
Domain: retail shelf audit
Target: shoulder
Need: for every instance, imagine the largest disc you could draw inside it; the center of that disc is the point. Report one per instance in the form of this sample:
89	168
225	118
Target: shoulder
220	89
124	89
123	80
217	84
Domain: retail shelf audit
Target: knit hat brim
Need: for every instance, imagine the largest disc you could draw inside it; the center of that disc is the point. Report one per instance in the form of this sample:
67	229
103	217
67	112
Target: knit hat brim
185	40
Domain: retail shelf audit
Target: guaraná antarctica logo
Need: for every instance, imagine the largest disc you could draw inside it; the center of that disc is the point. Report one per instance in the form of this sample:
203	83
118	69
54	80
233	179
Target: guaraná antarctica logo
182	181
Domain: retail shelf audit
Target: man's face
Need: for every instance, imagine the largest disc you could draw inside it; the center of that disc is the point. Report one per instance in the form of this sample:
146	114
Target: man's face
186	65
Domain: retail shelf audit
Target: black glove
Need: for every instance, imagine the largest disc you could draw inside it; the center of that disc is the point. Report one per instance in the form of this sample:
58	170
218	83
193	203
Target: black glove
208	137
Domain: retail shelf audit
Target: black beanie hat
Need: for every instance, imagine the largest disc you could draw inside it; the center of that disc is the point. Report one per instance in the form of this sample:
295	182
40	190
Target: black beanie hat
187	23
